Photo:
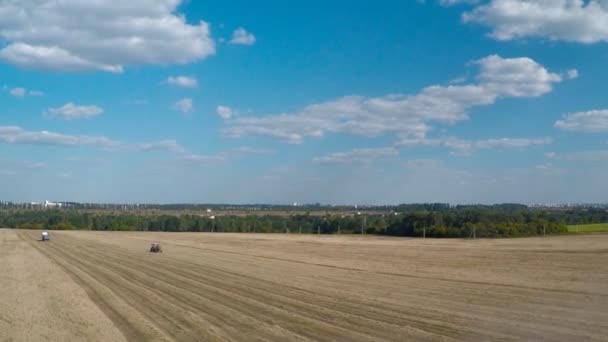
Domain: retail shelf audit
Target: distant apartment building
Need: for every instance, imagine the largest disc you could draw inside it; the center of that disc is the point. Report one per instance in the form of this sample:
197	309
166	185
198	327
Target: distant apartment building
48	204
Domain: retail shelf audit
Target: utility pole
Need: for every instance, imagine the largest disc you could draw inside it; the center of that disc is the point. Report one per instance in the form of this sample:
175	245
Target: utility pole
474	233
364	225
385	225
545	229
300	229
338	229
424	233
318	230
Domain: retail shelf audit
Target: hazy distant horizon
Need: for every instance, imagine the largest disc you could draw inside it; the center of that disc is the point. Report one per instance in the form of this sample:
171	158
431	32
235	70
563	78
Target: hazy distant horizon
312	204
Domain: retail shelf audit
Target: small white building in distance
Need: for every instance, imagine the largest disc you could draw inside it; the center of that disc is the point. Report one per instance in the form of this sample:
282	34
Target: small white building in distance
209	210
48	204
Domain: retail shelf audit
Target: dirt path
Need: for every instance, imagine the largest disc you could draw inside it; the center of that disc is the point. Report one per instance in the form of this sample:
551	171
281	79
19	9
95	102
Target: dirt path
40	302
207	287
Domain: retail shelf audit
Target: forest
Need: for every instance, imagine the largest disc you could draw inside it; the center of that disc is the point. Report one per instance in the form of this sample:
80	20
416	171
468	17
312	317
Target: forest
430	220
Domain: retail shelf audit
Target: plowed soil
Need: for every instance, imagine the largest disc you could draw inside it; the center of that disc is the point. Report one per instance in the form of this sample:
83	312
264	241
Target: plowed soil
245	287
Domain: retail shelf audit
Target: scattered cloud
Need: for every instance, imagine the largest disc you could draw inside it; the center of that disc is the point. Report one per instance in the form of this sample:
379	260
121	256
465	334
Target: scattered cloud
70	111
511	142
593	121
515	77
466	147
592	156
18	136
407	116
240	36
184	105
360	156
86	160
252	150
22	164
163	145
17	92
544	166
568	20
224	112
138	102
458	80
572	74
10	168
199	159
548	169
63	36
423	164
457	2
183	81
64	175
21	92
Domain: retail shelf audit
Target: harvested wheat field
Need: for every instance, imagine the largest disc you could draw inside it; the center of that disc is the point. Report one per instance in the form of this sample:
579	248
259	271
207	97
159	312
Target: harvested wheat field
243	287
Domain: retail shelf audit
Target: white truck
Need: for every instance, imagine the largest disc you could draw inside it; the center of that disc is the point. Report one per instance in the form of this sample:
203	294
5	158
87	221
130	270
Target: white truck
45	236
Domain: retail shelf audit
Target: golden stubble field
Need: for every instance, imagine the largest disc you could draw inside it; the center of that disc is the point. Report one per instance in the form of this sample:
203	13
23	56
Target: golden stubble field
98	286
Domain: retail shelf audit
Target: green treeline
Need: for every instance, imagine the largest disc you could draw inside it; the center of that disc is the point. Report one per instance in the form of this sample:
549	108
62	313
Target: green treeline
489	221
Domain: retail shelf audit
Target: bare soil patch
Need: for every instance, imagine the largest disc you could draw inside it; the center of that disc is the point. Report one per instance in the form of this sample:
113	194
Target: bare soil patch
41	302
248	287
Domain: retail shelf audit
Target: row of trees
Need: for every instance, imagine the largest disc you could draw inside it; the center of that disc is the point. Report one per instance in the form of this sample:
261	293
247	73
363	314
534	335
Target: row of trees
445	222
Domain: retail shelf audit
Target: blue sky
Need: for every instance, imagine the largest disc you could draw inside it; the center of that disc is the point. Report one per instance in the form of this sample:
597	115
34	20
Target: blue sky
360	102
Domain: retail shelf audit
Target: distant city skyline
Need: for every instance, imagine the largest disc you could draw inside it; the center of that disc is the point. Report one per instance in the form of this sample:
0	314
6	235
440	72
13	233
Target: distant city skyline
462	102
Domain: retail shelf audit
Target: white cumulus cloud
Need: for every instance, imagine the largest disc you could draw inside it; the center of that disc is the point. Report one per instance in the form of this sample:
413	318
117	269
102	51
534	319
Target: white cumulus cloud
224	112
572	74
407	116
593	121
70	111
568	20
240	36
183	81
71	35
184	106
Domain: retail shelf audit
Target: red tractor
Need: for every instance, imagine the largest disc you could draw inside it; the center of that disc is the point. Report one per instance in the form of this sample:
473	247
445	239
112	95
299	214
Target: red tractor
155	248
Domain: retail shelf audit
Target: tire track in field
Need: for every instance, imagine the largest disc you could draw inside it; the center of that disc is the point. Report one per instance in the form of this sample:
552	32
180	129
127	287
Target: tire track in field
515	322
320	332
155	315
395	274
375	315
105	298
220	314
412	315
178	299
554	305
269	297
116	282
